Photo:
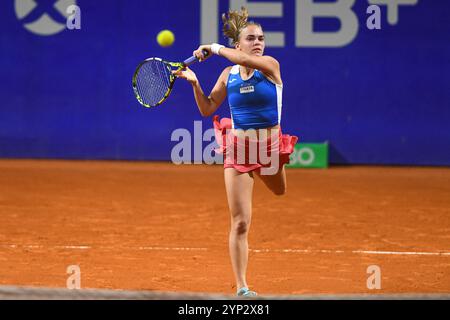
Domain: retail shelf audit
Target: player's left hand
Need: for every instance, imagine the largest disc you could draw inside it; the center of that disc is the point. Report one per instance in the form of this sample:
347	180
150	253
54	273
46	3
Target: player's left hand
187	74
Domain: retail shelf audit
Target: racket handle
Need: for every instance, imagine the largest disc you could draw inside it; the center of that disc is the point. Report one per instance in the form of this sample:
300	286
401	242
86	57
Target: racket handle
193	59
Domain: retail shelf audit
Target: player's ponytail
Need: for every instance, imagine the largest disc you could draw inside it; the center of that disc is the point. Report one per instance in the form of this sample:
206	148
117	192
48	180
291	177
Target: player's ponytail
234	23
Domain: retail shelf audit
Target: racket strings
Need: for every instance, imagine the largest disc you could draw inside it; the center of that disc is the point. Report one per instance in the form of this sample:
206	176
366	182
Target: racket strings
153	82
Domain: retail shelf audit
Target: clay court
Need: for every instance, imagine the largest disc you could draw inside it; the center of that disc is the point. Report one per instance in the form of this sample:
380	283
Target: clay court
158	226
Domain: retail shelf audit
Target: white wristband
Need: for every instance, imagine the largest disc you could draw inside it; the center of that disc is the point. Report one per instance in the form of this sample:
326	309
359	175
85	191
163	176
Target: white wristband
215	47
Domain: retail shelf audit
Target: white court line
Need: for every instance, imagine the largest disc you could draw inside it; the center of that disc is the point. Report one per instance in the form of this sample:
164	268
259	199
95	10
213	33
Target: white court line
73	247
14	246
169	248
404	253
147	248
374	252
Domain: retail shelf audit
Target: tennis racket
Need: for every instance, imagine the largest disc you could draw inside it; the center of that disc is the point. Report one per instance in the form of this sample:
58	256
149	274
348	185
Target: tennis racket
153	79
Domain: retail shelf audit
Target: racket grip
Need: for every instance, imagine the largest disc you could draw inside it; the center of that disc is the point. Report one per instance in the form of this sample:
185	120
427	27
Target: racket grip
193	59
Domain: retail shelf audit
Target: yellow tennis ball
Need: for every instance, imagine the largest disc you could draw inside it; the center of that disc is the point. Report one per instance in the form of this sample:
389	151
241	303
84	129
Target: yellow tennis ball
165	38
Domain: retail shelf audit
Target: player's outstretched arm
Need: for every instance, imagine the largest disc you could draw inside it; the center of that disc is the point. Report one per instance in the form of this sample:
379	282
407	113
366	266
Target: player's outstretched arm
207	105
267	64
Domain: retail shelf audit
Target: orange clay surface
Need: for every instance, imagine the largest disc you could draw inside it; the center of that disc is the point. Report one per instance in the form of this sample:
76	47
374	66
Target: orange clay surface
158	226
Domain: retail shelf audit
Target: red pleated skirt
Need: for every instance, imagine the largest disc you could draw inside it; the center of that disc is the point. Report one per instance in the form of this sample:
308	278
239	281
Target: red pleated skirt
247	154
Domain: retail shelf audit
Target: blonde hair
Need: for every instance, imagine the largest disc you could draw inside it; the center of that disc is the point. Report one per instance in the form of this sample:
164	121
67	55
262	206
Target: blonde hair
235	23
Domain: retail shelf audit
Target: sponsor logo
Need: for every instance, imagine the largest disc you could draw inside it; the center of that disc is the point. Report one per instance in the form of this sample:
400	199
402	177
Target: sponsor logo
247	89
48	17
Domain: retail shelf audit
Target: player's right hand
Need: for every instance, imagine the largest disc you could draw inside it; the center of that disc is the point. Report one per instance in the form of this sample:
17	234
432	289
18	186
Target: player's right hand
199	52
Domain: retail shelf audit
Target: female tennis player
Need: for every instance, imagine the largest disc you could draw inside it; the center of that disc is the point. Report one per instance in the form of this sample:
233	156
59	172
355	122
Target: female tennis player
253	87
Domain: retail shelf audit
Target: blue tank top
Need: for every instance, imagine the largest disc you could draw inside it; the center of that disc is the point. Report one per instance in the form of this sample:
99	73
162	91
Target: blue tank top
254	103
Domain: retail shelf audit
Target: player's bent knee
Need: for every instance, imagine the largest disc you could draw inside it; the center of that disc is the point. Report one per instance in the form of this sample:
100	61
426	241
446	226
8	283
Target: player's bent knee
240	227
